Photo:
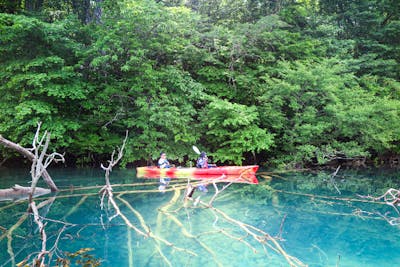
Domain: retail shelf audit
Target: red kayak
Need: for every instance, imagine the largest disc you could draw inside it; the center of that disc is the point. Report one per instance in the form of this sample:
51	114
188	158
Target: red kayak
236	174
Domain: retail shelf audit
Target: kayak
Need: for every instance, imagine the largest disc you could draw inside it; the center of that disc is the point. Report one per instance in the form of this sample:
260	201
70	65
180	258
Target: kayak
236	174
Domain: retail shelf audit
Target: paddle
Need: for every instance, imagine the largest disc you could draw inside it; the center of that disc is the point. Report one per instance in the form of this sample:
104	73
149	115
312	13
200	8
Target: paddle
196	150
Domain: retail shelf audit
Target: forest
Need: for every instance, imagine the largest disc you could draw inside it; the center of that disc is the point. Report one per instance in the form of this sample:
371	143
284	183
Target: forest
281	83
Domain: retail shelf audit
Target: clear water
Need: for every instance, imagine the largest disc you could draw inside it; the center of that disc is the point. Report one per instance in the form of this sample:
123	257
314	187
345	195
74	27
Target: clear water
314	218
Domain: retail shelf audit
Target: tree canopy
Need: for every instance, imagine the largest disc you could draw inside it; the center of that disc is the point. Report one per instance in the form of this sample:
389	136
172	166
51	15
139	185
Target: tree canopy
288	83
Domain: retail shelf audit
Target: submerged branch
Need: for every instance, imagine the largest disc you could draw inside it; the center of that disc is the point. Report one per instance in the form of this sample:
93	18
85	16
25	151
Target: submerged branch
165	210
261	237
9	235
38	220
146	232
392	198
150	233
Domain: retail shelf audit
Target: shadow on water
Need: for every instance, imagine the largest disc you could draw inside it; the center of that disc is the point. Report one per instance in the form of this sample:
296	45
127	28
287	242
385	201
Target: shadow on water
314	217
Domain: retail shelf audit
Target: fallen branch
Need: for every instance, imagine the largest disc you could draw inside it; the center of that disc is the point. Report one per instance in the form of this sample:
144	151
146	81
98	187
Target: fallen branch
43	251
218	191
260	236
157	238
18	192
41	159
107	189
146	232
9	234
35	157
392	198
40	162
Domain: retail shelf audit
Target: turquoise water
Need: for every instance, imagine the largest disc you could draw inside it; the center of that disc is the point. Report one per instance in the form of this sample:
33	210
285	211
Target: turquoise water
318	220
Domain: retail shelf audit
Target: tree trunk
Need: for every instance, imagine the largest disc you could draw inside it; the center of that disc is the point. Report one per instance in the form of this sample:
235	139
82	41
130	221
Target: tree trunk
18	192
25	152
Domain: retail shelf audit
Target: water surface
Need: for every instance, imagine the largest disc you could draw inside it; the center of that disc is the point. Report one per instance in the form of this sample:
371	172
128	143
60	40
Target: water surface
315	218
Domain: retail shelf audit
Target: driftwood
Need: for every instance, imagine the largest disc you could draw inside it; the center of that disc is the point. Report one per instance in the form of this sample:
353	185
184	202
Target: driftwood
18	192
29	155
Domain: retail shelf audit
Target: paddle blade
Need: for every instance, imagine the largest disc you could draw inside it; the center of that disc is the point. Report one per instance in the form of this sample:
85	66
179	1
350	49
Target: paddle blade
195	149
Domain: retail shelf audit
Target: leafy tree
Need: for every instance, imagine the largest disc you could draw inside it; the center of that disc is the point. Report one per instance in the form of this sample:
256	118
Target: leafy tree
375	27
38	79
232	130
135	66
318	118
304	81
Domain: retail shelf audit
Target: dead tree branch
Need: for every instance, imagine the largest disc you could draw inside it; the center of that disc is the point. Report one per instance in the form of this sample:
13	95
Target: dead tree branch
41	159
260	236
250	231
38	220
218	191
40	162
392	198
113	162
107	189
36	157
146	232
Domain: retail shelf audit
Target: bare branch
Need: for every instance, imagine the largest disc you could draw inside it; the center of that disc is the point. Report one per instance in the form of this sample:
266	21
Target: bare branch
43	252
392	198
34	157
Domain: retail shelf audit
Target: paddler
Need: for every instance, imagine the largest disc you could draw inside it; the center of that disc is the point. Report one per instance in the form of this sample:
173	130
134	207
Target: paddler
202	163
163	163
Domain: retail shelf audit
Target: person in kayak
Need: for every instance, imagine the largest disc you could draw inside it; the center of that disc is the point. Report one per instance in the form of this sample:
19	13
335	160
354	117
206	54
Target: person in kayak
202	161
163	163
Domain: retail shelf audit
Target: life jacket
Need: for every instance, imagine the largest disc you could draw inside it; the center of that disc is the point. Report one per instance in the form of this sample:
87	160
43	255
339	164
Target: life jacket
202	163
163	163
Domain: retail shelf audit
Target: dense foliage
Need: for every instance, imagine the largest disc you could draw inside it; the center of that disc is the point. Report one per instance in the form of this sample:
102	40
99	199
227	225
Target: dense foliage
288	82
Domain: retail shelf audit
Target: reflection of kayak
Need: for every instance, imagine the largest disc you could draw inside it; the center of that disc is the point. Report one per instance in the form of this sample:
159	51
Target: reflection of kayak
237	174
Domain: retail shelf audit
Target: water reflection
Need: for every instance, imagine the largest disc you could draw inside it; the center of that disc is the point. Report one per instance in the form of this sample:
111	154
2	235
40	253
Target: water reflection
303	212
